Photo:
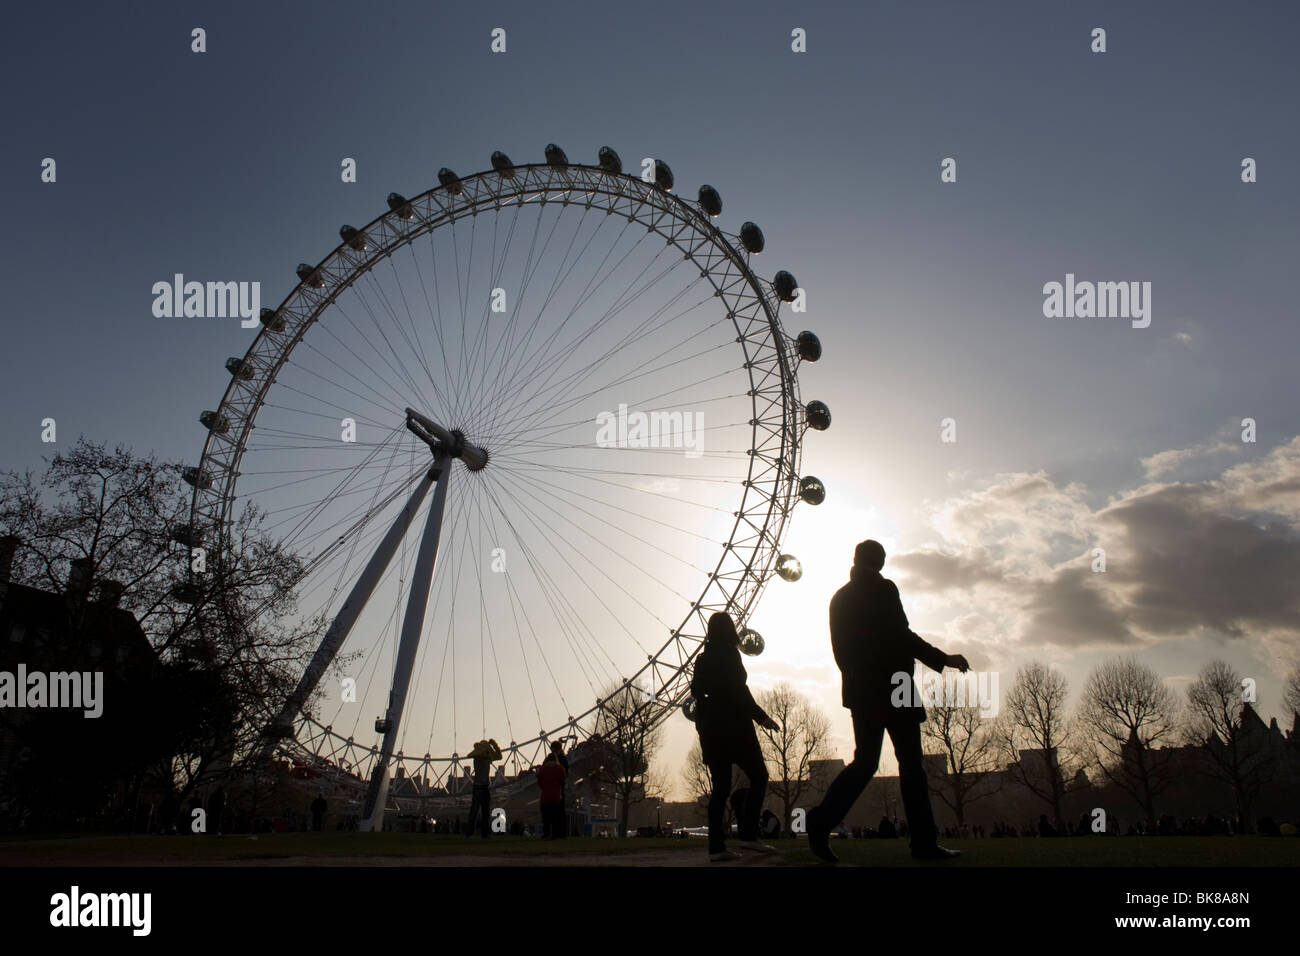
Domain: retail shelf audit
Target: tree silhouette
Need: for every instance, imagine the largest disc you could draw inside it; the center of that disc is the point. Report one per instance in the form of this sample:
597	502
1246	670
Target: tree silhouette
969	745
1035	735
626	741
226	638
800	738
1218	725
1291	693
1130	718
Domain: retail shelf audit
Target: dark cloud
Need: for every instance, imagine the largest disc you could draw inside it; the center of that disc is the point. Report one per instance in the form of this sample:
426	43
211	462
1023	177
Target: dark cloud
941	571
1187	565
1074	607
1221	555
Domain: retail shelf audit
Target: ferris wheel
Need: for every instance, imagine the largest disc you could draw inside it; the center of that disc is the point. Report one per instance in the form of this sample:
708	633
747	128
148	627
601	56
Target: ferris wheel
528	430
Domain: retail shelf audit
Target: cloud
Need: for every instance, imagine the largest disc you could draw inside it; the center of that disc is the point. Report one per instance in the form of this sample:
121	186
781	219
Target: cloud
1270	484
1018	518
1163	462
1188	561
1220	556
939	571
1073	607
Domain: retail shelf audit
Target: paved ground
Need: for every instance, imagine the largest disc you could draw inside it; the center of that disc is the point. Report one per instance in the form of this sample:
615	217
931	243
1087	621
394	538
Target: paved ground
400	849
353	849
483	860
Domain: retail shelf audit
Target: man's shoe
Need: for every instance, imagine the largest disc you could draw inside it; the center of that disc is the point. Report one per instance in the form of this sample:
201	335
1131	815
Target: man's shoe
819	838
726	856
935	852
757	846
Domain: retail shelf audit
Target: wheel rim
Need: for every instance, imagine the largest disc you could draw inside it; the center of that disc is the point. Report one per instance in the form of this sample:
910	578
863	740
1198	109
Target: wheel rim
769	485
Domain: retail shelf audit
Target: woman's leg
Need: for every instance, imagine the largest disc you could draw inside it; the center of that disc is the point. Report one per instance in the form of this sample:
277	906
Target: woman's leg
755	768
721	775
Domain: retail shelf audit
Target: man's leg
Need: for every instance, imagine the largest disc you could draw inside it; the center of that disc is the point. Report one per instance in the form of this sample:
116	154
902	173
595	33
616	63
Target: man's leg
905	732
845	789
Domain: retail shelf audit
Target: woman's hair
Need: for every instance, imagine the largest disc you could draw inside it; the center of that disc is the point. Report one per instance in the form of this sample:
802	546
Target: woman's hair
722	630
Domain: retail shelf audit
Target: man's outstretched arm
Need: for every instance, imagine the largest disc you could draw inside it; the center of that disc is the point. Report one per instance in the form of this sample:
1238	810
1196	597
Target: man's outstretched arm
921	649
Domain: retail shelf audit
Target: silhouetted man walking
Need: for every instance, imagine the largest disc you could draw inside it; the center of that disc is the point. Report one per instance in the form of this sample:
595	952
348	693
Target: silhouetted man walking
872	643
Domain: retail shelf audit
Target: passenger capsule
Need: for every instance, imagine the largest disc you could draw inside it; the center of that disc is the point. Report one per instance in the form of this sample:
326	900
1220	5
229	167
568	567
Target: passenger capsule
239	368
751	237
788	567
809	346
400	205
818	415
751	642
784	285
354	237
812	490
663	176
555	156
689	708
450	181
199	479
272	320
215	423
187	593
187	535
501	163
310	275
609	161
710	201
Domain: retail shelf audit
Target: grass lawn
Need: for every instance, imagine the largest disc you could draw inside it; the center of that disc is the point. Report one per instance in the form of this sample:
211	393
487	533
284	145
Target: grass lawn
398	848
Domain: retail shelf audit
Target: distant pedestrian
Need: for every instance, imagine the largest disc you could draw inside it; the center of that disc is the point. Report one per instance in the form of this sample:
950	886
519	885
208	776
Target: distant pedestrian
216	807
318	812
557	750
550	780
480	811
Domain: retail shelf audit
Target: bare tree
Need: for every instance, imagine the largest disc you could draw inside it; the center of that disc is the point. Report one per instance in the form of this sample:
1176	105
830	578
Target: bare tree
801	737
221	622
969	745
1035	735
1291	693
1129	719
1217	725
696	776
628	738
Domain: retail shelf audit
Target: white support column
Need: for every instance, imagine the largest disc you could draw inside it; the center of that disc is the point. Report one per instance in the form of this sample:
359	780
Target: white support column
412	628
349	612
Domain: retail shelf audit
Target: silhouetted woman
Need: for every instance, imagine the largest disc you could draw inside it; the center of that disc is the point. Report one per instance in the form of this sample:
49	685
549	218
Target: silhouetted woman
725	715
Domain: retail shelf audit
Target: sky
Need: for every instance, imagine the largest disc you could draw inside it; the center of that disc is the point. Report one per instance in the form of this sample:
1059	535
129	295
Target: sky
928	296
